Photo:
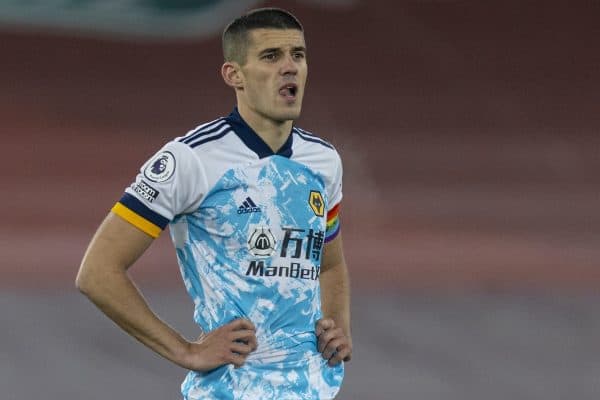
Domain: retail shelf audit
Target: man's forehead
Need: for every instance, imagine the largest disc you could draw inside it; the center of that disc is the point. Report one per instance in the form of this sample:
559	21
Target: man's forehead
276	38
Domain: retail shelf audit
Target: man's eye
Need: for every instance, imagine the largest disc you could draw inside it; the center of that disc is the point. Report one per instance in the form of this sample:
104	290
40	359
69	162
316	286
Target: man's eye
269	56
299	56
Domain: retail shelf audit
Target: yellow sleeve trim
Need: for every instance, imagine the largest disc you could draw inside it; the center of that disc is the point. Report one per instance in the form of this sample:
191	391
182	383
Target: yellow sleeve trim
139	222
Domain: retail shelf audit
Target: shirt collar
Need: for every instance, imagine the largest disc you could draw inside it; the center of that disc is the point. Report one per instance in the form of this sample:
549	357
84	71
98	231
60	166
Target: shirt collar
255	142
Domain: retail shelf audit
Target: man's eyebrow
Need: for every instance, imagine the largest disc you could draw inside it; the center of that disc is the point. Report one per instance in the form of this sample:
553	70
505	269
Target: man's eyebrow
278	49
269	50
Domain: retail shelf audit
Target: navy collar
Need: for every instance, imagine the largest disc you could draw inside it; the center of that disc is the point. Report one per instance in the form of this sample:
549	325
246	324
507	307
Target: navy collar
255	142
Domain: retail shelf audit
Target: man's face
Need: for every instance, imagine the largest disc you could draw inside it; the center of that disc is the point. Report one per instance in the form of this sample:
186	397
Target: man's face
274	74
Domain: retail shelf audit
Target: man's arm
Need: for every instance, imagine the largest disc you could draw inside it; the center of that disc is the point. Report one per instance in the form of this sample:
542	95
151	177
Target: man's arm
103	278
333	330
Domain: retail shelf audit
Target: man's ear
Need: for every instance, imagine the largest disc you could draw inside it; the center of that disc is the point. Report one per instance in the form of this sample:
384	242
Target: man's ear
232	75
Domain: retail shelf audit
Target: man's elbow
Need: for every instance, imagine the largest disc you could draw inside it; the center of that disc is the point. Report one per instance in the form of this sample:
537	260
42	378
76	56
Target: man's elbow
80	283
84	282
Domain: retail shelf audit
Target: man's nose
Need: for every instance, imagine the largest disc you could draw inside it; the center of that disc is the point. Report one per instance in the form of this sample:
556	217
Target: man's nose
288	65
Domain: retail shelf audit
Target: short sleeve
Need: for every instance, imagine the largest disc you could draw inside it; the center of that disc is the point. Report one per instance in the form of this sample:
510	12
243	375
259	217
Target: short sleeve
334	194
334	189
170	183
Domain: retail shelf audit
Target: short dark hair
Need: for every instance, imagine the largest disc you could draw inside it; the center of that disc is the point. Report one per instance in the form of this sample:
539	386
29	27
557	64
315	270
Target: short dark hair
235	38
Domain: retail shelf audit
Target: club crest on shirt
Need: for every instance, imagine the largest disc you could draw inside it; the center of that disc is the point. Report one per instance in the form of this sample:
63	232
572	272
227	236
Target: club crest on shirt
161	167
262	242
315	200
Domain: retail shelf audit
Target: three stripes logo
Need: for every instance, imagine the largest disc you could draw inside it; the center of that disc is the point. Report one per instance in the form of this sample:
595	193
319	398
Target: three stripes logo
248	206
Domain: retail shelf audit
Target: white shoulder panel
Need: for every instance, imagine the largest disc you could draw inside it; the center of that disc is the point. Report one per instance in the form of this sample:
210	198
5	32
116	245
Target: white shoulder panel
322	157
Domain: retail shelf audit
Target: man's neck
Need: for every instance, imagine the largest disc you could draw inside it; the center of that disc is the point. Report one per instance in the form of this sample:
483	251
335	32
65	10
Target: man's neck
273	133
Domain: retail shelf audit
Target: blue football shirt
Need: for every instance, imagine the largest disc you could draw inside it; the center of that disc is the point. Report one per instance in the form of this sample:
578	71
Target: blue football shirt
248	225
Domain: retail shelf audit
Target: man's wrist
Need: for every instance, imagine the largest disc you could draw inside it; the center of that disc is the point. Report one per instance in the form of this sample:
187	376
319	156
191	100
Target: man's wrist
180	353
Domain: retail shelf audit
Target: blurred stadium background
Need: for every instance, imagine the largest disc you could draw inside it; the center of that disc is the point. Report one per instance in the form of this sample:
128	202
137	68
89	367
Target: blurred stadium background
469	131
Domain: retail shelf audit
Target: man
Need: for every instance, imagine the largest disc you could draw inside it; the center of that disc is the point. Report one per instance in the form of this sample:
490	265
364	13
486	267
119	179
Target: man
252	203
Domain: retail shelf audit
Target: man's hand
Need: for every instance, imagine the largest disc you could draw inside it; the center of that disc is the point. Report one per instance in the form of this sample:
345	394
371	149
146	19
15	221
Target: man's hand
333	342
228	344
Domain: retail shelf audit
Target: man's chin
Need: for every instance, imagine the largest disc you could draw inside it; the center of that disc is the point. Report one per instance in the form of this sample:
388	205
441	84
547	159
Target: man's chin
290	114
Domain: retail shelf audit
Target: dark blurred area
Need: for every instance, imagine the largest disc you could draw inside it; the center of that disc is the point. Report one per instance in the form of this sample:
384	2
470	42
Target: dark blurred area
468	131
469	134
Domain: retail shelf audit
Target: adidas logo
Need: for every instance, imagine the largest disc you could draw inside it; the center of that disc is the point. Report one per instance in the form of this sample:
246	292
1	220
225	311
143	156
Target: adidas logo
247	207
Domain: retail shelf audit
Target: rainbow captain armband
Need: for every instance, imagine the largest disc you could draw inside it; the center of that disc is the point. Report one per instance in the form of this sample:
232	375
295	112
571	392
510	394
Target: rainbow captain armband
137	214
333	223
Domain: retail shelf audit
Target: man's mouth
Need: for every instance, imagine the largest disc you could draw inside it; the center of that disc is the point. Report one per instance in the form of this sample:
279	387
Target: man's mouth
289	91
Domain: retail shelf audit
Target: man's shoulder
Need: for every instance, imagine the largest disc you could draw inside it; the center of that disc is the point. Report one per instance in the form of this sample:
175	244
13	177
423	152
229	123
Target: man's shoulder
206	132
309	137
